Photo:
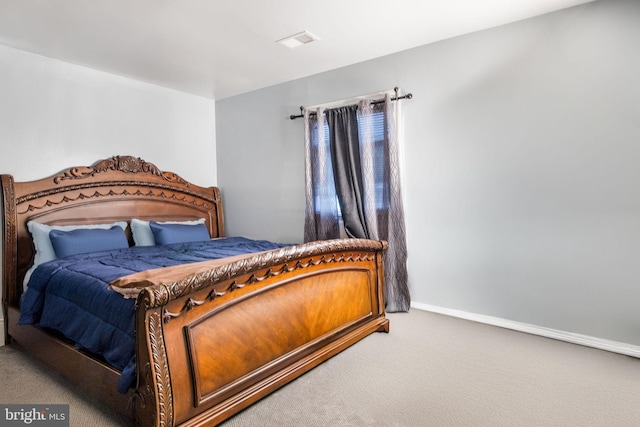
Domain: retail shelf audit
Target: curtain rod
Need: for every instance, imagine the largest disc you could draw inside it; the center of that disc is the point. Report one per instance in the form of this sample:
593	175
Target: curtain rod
395	98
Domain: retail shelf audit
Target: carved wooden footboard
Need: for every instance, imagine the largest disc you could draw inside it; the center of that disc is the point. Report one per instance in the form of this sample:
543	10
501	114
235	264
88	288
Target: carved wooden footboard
218	341
209	343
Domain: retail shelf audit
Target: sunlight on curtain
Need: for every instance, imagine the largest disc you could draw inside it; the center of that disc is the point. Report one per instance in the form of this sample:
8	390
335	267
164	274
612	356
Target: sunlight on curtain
321	213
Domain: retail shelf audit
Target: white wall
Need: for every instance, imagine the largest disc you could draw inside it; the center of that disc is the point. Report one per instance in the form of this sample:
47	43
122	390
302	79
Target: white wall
55	115
522	145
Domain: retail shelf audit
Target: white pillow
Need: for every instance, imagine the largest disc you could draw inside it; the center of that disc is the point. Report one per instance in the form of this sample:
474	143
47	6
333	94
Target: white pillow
42	243
142	234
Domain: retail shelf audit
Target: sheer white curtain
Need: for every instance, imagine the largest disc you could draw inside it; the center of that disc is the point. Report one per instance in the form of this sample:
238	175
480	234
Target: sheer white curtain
353	170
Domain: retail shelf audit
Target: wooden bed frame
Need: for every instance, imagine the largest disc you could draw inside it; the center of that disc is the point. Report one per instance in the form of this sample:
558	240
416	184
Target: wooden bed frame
209	344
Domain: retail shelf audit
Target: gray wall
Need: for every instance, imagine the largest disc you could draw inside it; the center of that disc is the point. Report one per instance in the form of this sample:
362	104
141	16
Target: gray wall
521	162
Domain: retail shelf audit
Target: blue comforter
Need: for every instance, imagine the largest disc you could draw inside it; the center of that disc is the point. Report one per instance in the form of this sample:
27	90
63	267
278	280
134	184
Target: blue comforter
71	295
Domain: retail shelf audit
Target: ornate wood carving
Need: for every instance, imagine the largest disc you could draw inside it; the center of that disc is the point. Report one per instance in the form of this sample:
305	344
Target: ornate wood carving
111	193
128	164
198	281
164	398
317	252
9	252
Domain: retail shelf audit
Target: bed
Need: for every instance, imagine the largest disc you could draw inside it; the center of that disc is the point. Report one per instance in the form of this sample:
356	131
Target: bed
211	337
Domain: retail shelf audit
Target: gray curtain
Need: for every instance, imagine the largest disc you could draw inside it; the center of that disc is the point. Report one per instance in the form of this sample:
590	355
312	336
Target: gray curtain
322	221
347	169
383	207
353	157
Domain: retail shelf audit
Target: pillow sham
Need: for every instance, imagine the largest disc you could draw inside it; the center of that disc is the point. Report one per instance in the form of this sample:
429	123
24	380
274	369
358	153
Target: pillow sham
142	234
44	251
67	243
166	234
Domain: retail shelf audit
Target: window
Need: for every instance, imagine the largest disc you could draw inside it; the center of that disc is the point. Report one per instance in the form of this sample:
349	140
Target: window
351	173
366	182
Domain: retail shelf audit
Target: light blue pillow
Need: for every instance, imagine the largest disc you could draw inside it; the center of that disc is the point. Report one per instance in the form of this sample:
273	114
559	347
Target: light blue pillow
67	243
42	243
165	234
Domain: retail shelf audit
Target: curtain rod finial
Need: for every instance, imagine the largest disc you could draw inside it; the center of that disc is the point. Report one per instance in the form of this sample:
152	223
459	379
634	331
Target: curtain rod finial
293	116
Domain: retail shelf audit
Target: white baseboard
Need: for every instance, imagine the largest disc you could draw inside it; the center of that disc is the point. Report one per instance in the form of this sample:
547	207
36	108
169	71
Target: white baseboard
586	340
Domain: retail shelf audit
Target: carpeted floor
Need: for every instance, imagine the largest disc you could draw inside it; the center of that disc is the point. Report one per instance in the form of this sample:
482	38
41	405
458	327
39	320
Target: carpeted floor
430	370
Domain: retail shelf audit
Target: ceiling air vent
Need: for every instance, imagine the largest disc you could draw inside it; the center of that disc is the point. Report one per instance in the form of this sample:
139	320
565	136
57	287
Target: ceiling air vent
298	39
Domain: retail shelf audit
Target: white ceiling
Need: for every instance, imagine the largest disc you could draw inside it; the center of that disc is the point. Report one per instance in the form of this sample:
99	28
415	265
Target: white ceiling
217	49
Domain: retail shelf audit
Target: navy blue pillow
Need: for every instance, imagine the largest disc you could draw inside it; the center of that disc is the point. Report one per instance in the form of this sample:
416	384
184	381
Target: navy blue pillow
165	234
83	240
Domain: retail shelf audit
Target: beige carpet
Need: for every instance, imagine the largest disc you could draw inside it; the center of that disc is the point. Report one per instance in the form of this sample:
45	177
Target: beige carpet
431	370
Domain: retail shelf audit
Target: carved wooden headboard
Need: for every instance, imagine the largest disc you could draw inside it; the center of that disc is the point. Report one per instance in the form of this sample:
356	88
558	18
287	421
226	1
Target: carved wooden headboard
118	188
